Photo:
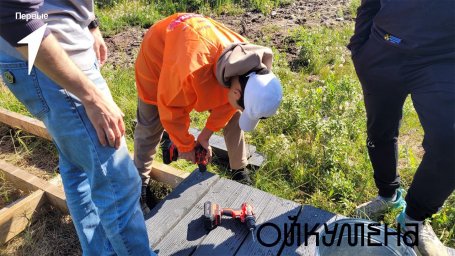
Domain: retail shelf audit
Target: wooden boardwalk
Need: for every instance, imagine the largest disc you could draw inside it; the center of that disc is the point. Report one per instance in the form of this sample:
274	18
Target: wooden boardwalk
176	227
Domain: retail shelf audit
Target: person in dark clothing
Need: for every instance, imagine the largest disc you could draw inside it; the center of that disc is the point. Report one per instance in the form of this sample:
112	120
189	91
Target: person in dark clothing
401	48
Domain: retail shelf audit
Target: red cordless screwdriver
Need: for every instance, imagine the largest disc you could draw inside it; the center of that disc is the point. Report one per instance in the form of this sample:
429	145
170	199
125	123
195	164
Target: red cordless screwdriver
213	213
171	153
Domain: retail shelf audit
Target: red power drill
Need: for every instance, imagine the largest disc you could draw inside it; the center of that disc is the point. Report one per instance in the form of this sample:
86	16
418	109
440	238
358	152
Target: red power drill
213	213
171	153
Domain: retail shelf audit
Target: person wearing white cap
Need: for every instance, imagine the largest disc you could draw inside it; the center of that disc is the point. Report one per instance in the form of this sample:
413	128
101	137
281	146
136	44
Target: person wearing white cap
190	62
257	95
245	69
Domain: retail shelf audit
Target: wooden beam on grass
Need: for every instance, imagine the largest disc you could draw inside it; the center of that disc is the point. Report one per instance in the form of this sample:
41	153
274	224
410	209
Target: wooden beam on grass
160	172
24	123
167	174
17	216
28	182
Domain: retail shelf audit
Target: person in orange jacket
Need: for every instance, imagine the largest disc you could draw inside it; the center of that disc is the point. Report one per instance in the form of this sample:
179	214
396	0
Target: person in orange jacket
191	62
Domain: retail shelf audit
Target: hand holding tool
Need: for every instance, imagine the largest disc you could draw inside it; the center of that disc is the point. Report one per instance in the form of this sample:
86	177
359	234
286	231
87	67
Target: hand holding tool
171	153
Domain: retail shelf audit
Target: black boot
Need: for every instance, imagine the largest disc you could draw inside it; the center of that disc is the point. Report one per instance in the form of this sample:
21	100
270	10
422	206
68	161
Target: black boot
143	200
242	176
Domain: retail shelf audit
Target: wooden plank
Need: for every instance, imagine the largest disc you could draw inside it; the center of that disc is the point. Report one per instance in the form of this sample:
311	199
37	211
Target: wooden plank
28	182
57	181
16	217
310	249
219	149
219	145
24	123
320	215
312	217
160	172
278	212
255	159
182	199
186	236
227	238
21	179
167	174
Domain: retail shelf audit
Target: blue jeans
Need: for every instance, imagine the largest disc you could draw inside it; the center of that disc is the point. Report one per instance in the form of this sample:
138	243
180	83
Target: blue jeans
102	185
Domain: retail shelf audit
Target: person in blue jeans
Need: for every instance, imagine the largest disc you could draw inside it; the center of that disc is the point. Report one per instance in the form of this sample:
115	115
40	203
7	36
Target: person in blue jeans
67	92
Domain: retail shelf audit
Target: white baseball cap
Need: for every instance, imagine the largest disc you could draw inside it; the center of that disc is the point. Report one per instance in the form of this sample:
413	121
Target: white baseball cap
262	97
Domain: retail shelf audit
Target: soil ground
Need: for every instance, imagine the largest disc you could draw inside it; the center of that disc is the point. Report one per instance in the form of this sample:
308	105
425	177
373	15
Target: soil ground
15	148
8	193
123	47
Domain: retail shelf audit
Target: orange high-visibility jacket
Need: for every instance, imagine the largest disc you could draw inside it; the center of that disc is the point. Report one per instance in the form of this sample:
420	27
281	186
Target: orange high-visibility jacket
175	70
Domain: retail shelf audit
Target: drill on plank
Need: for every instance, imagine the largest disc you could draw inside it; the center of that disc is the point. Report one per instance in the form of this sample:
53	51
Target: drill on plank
171	153
213	213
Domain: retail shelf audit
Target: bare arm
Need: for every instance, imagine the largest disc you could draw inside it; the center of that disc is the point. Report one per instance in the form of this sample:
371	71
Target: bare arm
99	45
104	114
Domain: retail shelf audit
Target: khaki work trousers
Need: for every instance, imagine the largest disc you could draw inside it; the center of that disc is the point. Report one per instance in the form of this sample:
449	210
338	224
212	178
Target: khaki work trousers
149	131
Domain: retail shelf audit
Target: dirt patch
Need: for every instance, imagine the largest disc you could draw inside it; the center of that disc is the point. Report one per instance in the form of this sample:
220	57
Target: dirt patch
8	193
157	192
272	28
124	46
36	155
51	233
411	141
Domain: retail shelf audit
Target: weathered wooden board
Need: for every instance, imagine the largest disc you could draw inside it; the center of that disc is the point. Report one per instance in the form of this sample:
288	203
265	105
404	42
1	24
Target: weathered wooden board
16	217
167	174
313	218
186	236
29	182
271	240
177	204
25	123
320	216
227	238
160	172
219	146
219	149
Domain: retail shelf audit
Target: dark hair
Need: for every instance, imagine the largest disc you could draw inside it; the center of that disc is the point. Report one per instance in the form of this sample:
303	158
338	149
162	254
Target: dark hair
243	80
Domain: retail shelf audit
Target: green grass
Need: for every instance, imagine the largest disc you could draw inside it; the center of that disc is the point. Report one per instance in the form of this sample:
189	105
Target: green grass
8	101
115	15
127	13
351	9
315	145
6	191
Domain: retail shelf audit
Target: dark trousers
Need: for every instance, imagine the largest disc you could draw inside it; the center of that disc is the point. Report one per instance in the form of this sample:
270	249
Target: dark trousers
388	75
